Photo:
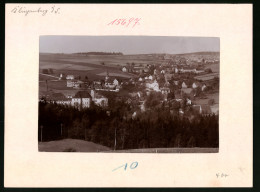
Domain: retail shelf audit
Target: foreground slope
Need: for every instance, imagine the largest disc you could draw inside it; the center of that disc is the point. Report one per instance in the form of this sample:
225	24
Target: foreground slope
71	145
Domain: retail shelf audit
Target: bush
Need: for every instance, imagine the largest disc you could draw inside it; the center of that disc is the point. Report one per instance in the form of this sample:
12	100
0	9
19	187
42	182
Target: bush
69	150
45	71
211	101
208	70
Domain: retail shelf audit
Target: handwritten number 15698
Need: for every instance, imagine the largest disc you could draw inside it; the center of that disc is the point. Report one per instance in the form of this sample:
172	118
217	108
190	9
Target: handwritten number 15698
125	22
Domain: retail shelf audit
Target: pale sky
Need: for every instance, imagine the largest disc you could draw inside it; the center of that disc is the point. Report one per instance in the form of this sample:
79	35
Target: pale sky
128	44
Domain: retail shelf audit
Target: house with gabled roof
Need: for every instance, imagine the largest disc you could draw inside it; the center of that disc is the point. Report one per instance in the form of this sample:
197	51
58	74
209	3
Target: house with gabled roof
81	100
183	85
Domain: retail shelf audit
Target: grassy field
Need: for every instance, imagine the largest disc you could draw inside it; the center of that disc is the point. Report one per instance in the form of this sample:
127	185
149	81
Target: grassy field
46	77
214	67
125	75
214	96
58	66
207	77
58	85
75	145
70	145
169	150
94	67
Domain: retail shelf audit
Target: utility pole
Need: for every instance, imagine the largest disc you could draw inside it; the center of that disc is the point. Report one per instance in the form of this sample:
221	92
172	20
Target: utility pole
41	132
115	140
61	129
46	84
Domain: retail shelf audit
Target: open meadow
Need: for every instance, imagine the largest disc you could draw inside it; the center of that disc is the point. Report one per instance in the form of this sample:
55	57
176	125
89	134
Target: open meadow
94	67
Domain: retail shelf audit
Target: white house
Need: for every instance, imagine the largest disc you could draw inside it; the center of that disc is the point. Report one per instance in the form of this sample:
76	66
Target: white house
70	77
165	90
61	76
64	102
176	82
124	69
203	87
153	85
116	82
194	85
188	102
183	85
74	83
81	100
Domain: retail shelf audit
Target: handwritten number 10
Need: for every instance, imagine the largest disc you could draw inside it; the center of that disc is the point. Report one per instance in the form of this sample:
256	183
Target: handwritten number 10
132	166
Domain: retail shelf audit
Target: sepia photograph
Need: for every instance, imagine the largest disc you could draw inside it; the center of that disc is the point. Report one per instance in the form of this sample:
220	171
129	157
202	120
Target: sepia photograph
128	94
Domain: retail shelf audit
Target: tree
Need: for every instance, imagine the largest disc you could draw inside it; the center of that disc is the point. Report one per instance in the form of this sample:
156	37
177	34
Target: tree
85	124
171	95
211	101
50	71
153	99
208	70
178	141
191	142
45	71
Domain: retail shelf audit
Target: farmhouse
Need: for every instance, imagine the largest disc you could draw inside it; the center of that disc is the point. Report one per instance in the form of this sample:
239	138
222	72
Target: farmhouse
183	85
59	98
124	69
109	83
81	100
195	85
98	99
165	90
153	85
64	101
70	77
74	83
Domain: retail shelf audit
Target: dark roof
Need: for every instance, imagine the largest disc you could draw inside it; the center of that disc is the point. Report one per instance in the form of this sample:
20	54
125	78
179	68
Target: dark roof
206	109
196	108
57	96
186	90
82	94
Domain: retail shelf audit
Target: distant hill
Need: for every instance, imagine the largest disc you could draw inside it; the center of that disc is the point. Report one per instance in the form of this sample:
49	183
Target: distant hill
99	53
200	53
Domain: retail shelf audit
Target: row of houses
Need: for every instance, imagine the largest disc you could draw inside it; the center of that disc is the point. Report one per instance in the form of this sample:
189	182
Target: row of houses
107	84
81	99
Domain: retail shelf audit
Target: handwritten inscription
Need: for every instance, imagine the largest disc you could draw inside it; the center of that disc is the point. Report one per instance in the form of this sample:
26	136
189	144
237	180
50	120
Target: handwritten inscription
27	11
132	166
126	22
221	175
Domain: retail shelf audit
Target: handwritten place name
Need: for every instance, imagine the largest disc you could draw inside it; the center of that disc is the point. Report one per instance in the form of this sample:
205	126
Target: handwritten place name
221	175
26	11
126	22
132	166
